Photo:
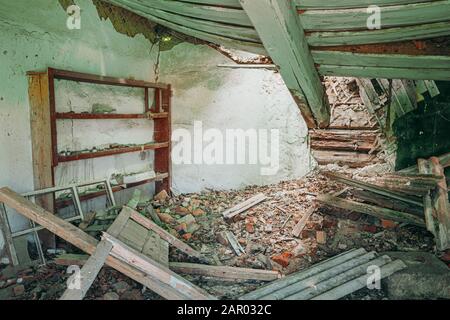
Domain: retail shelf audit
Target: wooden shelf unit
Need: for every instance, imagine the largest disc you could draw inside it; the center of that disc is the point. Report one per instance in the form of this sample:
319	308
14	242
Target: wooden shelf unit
44	129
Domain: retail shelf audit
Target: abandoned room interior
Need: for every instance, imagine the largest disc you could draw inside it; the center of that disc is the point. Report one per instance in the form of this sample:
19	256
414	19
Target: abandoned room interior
225	150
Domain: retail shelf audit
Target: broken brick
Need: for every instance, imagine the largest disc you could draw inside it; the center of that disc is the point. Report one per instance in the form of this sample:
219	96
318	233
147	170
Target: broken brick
198	213
283	259
187	236
181	211
321	237
166	218
388	224
250	227
222	238
162	196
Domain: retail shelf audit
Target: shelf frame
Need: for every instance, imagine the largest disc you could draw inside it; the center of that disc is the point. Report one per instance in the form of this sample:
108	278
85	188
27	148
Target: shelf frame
42	97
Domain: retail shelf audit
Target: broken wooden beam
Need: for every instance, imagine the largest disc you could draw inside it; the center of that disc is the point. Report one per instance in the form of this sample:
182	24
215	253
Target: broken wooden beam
353	159
84	242
437	208
224	272
444	160
374	188
234	243
386	202
302	223
244	206
360	282
89	272
378	212
153	268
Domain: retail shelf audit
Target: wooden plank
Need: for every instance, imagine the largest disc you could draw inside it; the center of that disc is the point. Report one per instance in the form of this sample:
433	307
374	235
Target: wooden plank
415	32
392	16
244	206
381	213
373	188
71	259
89	272
235	244
115	151
224	272
83	241
345	135
360	146
441	204
313	281
134	235
145	264
293	278
283	36
6	231
120	223
444	160
209	37
317	288
165	235
233	31
386	73
380	60
432	226
346	4
41	143
234	16
221	3
162	132
303	221
352	159
92	78
361	282
386	202
156	248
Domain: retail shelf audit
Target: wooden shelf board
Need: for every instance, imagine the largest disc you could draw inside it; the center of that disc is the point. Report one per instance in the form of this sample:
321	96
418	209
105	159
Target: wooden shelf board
109	116
111	152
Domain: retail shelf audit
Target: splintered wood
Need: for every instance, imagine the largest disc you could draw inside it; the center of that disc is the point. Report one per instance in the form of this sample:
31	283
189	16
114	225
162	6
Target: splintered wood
303	221
123	258
244	206
436	205
329	280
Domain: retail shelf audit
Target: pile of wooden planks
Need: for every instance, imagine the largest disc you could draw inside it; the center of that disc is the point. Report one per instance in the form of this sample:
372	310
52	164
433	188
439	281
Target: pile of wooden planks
344	146
419	199
135	246
329	280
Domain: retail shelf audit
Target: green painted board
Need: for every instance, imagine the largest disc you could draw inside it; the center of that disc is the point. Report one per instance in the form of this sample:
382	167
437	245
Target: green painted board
338	38
394	16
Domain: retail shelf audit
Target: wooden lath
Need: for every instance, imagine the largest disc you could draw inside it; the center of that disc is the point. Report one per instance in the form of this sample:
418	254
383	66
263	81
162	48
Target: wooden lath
147	271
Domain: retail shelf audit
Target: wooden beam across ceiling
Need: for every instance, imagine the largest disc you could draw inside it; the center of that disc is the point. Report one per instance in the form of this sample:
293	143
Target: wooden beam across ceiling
282	34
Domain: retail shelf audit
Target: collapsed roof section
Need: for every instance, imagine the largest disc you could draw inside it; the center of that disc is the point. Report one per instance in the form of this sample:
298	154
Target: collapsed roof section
310	39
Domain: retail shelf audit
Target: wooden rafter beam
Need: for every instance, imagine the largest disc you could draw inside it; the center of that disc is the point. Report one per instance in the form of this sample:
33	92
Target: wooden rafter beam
282	34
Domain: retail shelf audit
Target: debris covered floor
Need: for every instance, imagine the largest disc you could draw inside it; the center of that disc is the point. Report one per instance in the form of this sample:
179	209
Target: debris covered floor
287	230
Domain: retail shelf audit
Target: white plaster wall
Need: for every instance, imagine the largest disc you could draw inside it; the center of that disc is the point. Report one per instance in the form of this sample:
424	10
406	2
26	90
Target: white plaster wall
225	98
33	36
